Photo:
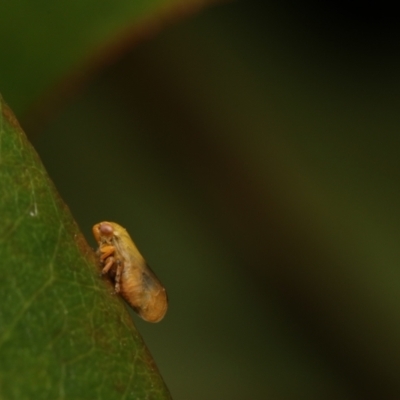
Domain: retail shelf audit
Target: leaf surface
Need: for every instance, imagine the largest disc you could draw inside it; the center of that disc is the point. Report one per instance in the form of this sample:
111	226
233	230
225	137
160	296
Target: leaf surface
63	333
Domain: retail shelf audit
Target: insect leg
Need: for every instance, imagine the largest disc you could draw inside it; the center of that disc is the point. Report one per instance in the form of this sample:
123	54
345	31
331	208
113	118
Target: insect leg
120	267
109	263
106	251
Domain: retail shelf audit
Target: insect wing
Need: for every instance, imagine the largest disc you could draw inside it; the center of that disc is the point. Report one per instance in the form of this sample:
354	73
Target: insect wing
155	301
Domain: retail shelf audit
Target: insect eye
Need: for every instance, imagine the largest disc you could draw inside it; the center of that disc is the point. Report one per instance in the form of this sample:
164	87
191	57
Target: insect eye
106	229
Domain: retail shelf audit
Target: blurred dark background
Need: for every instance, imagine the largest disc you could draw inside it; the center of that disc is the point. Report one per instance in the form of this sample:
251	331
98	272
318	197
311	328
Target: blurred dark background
252	151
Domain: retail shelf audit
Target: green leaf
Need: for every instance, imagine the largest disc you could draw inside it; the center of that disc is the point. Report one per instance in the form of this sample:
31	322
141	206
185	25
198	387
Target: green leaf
63	334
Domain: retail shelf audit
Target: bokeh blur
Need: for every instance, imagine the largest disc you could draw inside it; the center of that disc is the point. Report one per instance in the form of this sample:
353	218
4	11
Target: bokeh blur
252	151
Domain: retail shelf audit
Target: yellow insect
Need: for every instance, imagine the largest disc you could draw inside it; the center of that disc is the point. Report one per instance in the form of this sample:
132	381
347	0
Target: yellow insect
133	278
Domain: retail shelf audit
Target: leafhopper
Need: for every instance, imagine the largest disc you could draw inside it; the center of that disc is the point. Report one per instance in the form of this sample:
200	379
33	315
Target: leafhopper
132	277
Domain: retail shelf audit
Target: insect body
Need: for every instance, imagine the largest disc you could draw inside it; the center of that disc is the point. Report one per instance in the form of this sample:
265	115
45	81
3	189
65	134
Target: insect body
133	278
